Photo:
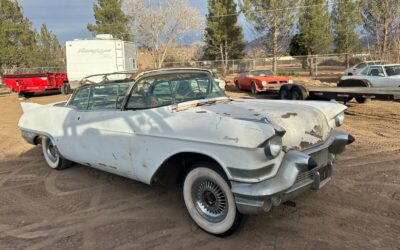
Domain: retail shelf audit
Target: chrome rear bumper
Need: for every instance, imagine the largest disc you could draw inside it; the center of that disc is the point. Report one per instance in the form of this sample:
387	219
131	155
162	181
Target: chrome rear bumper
296	175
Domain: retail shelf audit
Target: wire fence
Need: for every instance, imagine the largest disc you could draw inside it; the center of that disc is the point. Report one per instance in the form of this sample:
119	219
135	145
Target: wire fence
313	65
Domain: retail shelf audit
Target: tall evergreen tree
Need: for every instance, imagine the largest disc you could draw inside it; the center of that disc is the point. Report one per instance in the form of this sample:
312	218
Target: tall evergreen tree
50	52
275	20
346	18
17	38
315	29
223	36
110	19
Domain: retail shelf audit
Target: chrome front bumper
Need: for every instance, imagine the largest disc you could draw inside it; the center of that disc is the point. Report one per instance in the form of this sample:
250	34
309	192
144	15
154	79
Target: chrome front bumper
299	172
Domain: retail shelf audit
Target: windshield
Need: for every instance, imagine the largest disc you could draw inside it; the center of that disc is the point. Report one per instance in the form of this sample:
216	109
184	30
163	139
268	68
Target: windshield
393	70
262	73
167	89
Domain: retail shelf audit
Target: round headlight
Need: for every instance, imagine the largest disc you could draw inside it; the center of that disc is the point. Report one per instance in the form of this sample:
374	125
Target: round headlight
273	147
264	83
339	120
290	81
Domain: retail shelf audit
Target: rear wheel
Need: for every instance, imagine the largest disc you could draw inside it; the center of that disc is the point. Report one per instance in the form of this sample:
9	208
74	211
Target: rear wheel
298	93
362	100
52	156
65	89
254	89
209	200
284	93
27	94
237	85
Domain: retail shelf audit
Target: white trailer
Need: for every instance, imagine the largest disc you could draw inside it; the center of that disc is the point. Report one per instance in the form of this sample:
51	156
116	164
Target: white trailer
103	54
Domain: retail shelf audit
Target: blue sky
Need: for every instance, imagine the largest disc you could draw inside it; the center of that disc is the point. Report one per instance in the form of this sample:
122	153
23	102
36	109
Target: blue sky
68	18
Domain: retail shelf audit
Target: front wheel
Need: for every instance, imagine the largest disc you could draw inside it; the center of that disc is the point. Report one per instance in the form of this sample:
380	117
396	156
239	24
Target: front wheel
52	156
254	89
209	200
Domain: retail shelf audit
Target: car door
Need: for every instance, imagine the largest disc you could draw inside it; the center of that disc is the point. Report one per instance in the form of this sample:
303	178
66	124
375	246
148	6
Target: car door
102	137
376	76
246	81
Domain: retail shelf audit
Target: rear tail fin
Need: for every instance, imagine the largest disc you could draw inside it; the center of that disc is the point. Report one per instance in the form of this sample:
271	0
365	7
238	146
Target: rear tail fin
27	106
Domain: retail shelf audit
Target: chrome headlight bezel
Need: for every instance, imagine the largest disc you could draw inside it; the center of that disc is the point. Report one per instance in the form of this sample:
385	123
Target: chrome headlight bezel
273	147
339	119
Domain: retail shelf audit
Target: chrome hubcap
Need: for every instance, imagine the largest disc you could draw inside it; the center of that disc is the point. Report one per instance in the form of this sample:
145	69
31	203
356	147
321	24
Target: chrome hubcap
209	200
51	151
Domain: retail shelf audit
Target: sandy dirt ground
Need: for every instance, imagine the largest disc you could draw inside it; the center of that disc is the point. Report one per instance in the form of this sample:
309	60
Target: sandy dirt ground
83	208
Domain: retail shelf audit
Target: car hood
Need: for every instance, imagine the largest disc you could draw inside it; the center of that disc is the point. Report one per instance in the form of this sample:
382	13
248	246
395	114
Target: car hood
249	123
271	78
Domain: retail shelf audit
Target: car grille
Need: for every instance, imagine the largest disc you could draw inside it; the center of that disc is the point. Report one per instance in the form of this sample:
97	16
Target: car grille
321	157
304	176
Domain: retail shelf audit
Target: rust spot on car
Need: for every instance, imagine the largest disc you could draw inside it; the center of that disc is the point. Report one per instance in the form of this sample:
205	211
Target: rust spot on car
314	133
227	114
107	166
287	115
305	144
235	139
295	148
201	112
256	114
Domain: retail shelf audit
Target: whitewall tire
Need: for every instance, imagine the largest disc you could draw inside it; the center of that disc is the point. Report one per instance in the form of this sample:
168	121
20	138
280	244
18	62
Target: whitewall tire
52	156
209	200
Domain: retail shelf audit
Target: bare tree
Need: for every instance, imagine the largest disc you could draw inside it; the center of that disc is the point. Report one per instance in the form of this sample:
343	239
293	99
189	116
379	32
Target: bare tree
158	24
381	20
275	19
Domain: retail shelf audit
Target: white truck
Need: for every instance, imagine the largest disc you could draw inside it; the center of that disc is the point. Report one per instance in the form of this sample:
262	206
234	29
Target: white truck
100	55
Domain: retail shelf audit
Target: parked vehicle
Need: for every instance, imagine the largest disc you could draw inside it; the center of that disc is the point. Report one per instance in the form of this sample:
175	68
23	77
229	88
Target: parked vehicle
232	157
379	75
28	84
260	81
360	66
103	54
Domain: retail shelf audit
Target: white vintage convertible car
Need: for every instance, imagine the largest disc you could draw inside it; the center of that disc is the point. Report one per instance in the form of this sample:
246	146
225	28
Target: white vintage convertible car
232	157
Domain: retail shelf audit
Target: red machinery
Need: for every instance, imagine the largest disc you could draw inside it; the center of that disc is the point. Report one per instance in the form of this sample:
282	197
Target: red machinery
29	83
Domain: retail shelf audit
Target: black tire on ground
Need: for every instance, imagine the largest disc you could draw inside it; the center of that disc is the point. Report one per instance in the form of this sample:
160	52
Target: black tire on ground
254	89
27	94
52	156
209	200
284	93
237	85
362	100
65	89
347	99
298	93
